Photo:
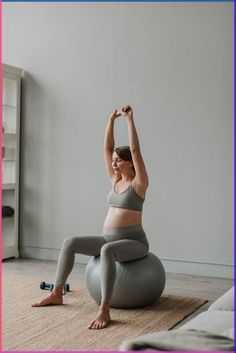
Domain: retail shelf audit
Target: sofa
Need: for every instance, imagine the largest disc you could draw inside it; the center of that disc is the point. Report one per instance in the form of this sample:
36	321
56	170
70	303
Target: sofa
211	330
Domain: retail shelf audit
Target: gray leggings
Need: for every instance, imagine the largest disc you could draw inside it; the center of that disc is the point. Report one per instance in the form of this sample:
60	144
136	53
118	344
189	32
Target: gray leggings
117	244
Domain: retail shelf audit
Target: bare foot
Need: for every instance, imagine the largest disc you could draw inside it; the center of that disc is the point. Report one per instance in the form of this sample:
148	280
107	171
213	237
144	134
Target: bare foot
101	320
55	298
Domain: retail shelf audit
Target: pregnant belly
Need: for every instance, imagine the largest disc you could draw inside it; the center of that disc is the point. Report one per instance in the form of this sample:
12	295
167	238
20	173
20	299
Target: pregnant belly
119	217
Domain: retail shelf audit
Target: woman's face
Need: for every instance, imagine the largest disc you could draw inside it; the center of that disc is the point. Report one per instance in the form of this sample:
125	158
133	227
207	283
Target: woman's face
119	165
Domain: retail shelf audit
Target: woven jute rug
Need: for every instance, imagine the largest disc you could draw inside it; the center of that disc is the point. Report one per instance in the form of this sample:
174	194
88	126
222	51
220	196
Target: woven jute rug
64	328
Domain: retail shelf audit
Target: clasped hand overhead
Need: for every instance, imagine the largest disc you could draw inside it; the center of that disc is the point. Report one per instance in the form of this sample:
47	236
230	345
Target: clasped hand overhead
125	111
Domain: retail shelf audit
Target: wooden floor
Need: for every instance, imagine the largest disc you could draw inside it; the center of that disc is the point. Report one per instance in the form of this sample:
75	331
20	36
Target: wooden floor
177	284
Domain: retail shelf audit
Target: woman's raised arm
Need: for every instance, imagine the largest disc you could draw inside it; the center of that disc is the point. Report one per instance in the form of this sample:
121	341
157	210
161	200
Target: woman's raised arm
109	143
141	177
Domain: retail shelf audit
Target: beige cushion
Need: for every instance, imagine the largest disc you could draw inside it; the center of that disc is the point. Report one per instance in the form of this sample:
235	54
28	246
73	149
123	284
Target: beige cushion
215	322
225	302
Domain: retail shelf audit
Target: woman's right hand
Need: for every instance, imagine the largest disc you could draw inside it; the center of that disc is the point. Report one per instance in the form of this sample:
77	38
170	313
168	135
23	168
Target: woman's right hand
115	115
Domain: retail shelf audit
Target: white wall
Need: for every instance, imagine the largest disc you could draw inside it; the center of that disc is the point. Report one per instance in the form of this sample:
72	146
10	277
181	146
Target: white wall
173	62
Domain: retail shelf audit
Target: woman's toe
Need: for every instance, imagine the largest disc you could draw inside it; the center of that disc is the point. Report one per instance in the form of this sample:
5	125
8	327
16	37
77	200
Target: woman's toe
91	325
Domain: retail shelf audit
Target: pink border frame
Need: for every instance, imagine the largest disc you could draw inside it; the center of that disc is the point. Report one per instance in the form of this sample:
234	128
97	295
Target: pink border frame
1	192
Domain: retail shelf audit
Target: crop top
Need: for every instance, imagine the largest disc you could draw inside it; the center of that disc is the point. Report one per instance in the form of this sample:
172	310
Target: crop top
127	199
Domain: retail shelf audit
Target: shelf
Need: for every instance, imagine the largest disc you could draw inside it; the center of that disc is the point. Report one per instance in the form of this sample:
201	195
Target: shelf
8	106
9	134
6	218
8	186
9	160
11	97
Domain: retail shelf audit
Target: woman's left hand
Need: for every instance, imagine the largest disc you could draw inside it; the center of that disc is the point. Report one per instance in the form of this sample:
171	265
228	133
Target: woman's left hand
127	111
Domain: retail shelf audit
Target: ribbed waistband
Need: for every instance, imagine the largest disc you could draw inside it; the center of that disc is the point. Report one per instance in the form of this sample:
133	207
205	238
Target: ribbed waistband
122	230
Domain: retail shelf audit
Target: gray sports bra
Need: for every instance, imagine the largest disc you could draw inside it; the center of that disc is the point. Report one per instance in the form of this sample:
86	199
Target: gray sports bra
127	199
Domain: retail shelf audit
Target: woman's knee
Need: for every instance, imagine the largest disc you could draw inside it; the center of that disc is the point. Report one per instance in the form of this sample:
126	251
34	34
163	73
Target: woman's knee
69	243
106	250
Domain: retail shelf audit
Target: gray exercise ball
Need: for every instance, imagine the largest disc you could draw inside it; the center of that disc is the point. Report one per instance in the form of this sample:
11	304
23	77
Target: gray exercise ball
138	283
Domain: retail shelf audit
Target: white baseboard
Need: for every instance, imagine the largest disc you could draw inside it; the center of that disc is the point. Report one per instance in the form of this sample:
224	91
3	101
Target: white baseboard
172	266
198	268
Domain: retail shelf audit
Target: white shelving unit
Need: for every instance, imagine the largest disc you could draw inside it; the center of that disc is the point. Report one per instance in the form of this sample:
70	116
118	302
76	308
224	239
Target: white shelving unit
11	81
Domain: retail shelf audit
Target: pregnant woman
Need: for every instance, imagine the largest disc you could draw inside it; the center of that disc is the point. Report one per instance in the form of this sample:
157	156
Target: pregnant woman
123	236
